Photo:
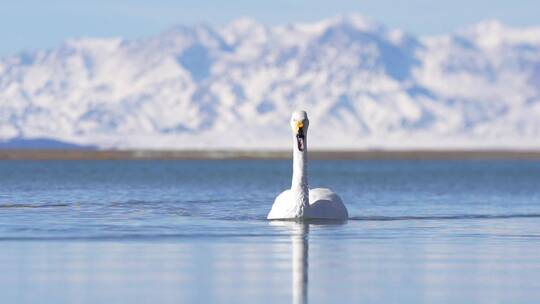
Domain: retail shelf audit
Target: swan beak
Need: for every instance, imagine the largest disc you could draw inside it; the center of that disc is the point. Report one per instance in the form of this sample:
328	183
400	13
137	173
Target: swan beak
300	136
299	125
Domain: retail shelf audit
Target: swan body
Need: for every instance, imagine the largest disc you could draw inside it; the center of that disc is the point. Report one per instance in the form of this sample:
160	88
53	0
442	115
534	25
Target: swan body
323	204
300	202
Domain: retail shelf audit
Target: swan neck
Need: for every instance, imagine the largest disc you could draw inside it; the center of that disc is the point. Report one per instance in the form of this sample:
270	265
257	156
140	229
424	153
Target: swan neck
299	185
299	169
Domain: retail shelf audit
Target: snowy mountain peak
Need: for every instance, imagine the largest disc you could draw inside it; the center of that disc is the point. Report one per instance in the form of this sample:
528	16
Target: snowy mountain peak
105	44
244	24
235	86
493	33
355	20
244	29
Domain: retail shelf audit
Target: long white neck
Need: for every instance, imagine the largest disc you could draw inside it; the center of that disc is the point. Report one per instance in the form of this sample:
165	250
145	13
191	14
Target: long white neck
299	185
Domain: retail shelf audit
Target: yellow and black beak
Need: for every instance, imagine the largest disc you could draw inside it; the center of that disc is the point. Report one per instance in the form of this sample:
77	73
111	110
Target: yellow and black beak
298	125
300	135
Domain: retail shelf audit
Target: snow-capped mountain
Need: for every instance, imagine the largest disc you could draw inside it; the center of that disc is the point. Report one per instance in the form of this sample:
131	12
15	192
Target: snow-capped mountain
364	86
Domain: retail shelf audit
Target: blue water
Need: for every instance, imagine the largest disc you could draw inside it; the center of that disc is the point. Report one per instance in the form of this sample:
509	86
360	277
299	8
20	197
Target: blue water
195	232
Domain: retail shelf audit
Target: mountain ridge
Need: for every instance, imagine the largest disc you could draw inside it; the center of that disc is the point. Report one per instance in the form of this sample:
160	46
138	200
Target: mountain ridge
363	85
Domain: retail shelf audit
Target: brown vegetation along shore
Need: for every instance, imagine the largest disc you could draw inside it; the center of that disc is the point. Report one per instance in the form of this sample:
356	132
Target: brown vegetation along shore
241	154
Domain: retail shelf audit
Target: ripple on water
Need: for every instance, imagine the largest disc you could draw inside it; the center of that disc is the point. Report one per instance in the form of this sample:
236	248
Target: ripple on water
444	217
30	205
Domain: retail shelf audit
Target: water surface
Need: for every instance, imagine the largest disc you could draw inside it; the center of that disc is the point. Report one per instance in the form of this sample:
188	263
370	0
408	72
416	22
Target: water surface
195	231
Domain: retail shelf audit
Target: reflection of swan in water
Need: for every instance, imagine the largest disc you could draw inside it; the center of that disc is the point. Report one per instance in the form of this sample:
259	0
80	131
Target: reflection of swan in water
300	255
300	247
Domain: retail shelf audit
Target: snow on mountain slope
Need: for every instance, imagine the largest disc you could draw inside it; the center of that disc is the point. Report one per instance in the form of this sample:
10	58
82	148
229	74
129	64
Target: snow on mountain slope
235	86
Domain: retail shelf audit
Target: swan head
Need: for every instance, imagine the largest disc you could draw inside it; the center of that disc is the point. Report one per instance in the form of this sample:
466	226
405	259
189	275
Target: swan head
299	126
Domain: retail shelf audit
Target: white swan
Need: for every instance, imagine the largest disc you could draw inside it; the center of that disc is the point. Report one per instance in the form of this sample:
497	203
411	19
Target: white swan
300	202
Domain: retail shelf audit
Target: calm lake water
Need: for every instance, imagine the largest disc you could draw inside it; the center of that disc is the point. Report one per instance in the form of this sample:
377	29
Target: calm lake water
195	232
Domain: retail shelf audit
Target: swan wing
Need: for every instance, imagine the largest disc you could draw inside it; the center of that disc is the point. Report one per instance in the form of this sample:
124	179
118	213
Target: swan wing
282	207
325	204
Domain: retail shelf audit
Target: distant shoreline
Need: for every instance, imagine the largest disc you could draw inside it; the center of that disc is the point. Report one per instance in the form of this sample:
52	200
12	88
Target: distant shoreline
251	154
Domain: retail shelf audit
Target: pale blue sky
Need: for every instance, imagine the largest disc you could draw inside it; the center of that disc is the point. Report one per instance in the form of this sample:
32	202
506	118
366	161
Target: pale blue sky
33	24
